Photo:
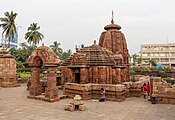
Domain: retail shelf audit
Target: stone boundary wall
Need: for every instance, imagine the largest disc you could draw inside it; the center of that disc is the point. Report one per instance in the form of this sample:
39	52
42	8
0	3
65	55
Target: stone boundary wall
93	91
134	89
163	92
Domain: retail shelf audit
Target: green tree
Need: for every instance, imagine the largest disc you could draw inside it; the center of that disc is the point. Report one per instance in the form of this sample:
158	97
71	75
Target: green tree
33	35
139	60
151	63
56	48
8	26
65	55
21	54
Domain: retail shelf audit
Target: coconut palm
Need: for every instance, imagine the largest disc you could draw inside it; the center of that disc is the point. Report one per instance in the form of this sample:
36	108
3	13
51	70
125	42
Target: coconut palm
33	35
8	26
55	47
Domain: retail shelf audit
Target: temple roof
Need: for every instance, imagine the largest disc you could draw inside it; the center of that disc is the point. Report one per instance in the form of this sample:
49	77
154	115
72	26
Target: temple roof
45	55
5	54
93	55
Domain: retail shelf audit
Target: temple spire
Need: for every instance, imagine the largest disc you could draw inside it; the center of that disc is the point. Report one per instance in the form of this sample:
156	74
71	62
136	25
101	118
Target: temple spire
112	21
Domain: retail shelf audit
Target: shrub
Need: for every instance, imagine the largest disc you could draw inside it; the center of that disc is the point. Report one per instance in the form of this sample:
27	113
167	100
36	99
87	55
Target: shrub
23	70
132	72
162	74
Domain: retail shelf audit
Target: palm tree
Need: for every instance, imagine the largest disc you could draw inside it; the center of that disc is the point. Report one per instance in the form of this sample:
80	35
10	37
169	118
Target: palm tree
8	26
33	35
55	47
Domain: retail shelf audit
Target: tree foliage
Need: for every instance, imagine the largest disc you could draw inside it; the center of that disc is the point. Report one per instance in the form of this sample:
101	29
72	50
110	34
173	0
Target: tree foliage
63	55
33	35
56	48
8	26
21	54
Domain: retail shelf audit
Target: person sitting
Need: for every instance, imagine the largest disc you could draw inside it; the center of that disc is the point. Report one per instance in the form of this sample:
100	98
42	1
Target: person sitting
102	98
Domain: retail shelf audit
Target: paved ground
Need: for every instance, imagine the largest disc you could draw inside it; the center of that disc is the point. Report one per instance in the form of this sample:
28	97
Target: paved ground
14	105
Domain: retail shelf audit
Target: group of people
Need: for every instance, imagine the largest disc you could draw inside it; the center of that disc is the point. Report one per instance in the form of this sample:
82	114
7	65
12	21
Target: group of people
146	90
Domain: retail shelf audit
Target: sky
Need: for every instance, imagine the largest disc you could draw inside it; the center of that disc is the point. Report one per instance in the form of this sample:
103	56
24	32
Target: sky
76	22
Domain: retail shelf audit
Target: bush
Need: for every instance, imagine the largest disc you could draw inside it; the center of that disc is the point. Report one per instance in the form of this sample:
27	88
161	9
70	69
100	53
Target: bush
23	70
132	72
162	74
24	75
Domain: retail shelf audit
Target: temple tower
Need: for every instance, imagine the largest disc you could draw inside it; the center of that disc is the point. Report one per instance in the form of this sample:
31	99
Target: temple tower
114	40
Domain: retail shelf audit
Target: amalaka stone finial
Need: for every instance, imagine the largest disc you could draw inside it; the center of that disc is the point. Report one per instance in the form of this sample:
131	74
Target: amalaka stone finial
94	42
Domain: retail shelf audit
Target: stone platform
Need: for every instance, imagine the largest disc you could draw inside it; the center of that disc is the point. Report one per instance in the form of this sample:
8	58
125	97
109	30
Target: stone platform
15	106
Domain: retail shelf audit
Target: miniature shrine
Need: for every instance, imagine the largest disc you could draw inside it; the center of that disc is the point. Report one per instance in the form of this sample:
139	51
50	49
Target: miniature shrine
43	56
76	104
8	75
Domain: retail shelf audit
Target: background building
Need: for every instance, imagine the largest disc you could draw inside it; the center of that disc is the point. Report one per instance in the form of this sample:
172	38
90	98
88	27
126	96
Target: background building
13	42
163	54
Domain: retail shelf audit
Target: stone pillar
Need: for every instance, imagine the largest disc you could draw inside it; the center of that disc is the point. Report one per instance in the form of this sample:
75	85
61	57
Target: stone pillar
102	75
35	88
107	75
51	92
95	75
124	76
114	78
83	76
110	75
63	76
118	75
90	75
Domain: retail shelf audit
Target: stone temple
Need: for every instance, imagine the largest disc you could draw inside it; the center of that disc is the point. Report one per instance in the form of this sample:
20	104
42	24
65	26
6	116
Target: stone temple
98	66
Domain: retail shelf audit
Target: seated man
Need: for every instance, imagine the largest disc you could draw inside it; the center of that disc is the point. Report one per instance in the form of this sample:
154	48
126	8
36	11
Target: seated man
102	98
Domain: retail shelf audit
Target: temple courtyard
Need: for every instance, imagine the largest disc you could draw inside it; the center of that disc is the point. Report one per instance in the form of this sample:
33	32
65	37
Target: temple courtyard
14	105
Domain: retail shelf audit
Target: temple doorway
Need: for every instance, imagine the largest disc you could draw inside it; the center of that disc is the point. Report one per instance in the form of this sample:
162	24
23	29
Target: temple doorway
77	78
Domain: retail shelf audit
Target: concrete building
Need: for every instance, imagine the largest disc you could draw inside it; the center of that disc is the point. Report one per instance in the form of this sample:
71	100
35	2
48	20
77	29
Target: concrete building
163	54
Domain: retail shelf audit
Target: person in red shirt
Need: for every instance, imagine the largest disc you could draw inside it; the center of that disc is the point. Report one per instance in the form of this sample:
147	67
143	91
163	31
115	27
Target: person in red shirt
148	88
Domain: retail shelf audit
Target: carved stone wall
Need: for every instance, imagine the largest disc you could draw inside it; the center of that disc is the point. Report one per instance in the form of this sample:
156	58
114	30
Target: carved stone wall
94	74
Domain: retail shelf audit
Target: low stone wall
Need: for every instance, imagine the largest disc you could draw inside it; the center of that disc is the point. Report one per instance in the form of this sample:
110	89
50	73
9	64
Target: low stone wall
93	91
134	89
163	92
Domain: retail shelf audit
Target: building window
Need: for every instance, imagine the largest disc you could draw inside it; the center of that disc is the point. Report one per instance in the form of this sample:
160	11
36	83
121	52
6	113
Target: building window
172	54
164	60
172	60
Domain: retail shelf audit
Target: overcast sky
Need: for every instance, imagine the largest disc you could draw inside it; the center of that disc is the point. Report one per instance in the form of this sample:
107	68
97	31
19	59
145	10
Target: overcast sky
76	22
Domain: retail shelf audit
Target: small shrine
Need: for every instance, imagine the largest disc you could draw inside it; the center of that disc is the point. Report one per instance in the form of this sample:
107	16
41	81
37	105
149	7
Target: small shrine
8	75
99	66
76	104
43	56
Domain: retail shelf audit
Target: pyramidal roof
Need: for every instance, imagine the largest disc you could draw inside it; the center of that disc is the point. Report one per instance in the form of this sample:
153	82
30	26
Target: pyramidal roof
93	55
